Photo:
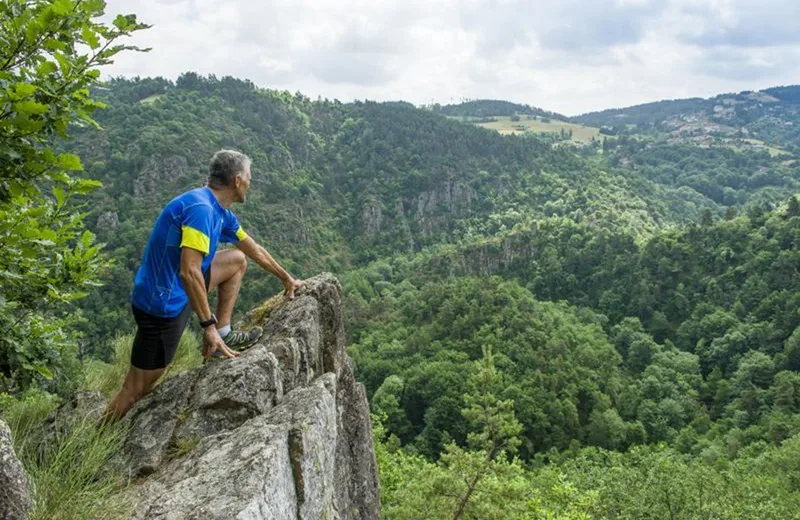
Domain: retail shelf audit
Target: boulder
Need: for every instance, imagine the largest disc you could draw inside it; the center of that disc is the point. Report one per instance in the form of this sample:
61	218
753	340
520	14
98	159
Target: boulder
15	501
283	431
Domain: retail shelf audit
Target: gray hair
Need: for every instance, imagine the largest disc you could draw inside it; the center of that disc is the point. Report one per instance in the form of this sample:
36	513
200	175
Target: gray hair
225	166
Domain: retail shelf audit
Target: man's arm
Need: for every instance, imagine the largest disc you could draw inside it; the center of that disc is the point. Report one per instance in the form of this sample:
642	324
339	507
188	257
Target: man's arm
195	287
262	257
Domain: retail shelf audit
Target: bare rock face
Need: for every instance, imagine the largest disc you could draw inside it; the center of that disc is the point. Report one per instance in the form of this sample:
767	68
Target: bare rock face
15	502
156	170
371	218
108	220
283	431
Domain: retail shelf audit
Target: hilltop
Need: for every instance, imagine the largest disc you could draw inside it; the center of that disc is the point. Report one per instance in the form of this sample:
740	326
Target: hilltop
481	108
767	119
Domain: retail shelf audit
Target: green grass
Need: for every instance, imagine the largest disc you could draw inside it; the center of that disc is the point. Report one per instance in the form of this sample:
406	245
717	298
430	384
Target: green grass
67	477
504	125
150	99
773	151
180	447
107	377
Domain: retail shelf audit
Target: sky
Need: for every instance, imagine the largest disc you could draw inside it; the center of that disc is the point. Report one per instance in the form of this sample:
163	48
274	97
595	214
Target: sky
568	56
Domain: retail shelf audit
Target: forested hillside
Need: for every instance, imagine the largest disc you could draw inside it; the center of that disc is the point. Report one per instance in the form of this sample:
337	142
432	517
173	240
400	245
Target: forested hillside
769	117
450	238
492	107
339	185
503	294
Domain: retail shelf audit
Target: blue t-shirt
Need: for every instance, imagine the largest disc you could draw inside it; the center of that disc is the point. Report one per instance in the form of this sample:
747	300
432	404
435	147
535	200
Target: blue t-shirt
194	219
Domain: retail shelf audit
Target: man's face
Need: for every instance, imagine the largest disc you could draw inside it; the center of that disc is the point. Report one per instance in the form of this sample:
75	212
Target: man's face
243	184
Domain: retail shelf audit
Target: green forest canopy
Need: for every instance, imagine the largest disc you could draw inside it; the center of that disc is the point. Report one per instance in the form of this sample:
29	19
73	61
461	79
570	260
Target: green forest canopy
639	298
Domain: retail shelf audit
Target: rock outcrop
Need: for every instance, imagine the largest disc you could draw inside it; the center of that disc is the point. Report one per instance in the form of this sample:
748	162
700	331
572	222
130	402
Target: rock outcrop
281	432
15	500
152	175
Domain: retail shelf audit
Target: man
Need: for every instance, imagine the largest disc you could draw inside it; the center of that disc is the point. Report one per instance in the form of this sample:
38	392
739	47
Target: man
181	265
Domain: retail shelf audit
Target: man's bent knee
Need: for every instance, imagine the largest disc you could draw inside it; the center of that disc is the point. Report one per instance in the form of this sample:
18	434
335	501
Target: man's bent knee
241	261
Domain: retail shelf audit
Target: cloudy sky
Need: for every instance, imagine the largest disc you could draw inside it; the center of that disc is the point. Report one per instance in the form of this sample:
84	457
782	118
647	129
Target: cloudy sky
570	56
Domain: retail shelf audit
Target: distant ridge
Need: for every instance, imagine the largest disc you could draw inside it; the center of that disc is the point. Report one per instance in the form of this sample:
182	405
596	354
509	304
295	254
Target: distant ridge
646	113
770	116
787	94
493	107
652	112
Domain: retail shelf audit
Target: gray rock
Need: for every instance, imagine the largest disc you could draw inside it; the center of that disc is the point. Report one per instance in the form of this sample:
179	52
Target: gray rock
371	218
108	220
15	501
278	465
225	395
447	202
151	423
156	170
85	405
283	431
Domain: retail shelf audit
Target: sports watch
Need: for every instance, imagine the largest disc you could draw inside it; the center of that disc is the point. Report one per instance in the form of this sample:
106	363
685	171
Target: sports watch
209	322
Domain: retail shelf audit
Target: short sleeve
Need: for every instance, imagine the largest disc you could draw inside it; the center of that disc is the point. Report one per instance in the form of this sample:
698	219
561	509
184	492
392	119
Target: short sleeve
232	232
196	225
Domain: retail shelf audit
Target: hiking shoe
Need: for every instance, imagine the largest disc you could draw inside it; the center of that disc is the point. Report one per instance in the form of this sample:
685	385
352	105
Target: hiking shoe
242	340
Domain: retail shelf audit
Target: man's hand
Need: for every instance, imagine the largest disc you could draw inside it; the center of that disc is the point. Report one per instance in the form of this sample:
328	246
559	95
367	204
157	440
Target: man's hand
290	285
213	342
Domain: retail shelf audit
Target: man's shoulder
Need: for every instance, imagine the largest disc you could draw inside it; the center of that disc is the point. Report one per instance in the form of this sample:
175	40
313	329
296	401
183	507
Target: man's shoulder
190	199
230	215
194	195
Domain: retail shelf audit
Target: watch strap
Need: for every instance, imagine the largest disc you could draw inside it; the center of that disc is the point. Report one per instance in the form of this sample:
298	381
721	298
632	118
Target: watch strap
211	321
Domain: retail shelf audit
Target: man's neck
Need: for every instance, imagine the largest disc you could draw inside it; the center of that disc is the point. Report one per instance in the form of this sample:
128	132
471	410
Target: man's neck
224	197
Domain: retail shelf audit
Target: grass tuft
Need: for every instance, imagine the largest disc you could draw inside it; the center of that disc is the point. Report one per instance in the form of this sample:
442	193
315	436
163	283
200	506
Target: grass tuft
67	476
181	446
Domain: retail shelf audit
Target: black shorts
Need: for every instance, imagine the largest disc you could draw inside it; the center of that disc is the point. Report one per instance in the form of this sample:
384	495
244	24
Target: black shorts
157	338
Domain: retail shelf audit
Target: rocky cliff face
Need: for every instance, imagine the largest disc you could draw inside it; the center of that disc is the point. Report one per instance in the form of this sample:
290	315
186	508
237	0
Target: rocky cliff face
283	431
414	220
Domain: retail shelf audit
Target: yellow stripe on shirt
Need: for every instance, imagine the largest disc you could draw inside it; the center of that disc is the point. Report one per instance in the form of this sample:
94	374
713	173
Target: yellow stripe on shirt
195	239
241	235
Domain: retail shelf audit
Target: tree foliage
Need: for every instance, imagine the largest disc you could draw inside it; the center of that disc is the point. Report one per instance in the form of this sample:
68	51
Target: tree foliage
617	316
50	52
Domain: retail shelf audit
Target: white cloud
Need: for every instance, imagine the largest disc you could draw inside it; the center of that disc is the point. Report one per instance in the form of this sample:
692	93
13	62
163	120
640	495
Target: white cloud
570	56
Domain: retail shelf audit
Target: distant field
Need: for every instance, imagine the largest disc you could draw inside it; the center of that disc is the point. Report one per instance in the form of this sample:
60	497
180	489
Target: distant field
773	151
504	125
150	100
737	145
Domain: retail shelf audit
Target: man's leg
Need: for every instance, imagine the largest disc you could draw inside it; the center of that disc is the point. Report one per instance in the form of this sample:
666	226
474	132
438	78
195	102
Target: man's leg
138	383
227	271
153	348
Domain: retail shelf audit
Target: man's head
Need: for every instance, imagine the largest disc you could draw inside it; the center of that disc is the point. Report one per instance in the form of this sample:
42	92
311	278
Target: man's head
230	171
